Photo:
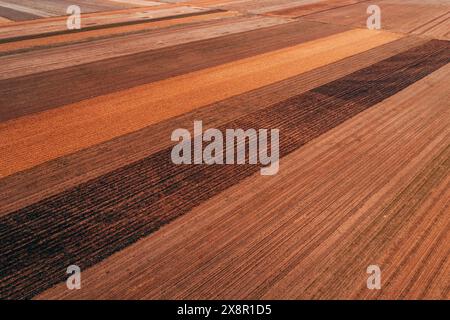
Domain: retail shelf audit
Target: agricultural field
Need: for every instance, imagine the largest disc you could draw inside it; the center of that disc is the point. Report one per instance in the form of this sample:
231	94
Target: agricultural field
87	123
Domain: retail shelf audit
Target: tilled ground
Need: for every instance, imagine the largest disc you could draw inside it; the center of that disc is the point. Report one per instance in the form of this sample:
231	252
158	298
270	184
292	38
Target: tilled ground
86	176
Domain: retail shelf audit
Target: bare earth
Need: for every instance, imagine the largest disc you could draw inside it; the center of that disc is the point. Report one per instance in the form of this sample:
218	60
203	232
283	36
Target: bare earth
86	177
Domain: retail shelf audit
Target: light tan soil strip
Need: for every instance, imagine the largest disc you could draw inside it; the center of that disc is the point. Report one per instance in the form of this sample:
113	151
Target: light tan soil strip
28	10
95	34
19	27
11	34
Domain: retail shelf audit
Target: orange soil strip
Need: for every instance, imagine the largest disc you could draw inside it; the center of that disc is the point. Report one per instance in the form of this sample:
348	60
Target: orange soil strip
35	139
4	20
74	37
350	198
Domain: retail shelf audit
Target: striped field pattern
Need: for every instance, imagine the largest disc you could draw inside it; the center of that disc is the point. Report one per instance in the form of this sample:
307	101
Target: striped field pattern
86	176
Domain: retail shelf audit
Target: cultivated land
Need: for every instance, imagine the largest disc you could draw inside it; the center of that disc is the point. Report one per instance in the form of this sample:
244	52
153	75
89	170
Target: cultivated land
86	176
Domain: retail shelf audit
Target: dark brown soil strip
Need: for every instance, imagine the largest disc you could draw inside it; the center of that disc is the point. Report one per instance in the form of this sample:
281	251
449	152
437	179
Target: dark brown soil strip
105	26
16	15
88	223
45	180
46	90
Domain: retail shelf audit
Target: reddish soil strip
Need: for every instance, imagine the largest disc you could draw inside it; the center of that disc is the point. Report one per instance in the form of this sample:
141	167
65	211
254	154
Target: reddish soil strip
136	200
54	41
256	6
207	3
315	7
139	2
16	15
399	16
106	26
137	69
436	28
281	5
372	190
30	186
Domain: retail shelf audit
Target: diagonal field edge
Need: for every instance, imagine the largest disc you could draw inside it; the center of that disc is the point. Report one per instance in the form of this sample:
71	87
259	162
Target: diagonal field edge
106	26
149	28
114	74
42	181
88	223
